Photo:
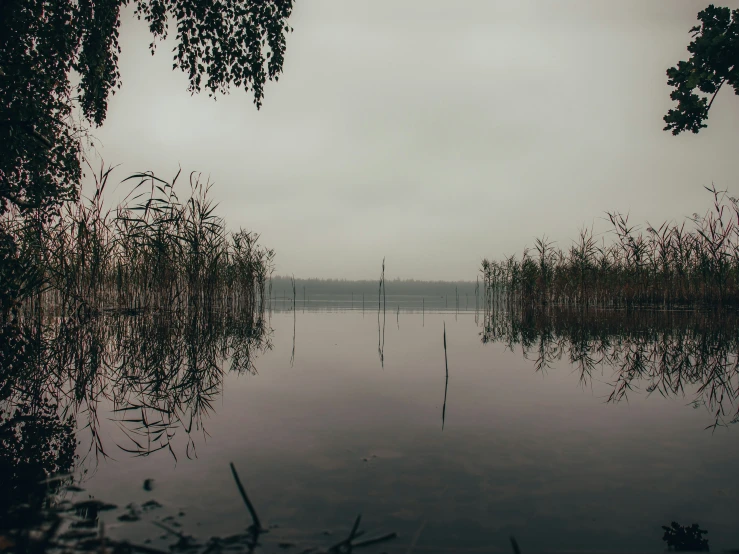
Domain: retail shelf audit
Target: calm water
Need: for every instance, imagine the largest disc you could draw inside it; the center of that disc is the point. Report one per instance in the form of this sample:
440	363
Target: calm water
324	429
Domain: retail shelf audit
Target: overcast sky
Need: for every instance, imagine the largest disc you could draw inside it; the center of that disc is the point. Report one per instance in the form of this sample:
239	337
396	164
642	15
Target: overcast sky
434	133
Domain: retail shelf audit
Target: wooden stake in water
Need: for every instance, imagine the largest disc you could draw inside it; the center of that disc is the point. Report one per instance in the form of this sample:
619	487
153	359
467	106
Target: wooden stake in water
384	290
292	357
446	383
379	289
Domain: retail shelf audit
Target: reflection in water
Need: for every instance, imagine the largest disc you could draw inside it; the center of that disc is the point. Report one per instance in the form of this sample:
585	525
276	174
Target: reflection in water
500	469
665	352
158	373
35	443
685	539
381	338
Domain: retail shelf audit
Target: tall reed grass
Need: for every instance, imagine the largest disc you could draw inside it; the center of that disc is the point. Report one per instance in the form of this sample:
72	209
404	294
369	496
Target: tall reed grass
155	251
689	264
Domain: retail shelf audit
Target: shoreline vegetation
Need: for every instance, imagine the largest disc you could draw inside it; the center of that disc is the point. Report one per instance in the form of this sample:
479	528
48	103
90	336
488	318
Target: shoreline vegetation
153	252
693	264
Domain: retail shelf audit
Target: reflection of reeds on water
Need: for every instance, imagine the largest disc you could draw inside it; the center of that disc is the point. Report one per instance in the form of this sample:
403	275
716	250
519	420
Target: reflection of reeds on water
694	263
664	352
160	372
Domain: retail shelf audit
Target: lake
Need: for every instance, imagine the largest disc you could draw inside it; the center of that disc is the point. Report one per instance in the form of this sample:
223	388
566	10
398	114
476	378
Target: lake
567	431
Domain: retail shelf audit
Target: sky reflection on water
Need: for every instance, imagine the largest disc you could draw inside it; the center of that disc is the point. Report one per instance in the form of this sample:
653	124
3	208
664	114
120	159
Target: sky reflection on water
538	455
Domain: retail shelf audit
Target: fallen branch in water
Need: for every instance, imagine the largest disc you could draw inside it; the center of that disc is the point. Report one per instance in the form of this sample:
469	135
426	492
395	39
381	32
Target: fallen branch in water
257	525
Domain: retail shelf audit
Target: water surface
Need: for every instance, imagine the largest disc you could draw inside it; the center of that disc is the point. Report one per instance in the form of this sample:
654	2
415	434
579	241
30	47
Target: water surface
327	428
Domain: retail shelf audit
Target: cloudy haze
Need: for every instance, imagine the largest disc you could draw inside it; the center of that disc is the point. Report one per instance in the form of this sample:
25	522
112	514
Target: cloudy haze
434	133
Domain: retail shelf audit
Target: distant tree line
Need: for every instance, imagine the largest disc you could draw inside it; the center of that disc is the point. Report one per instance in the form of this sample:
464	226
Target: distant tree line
370	288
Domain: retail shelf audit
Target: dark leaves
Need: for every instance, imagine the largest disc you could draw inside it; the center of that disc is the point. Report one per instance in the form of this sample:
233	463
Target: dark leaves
219	44
713	63
98	60
224	43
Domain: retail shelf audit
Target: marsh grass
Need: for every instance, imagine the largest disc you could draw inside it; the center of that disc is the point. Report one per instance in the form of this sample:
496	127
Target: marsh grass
153	252
691	264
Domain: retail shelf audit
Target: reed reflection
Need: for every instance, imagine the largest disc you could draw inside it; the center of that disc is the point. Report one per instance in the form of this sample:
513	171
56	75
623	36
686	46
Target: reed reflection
158	374
671	353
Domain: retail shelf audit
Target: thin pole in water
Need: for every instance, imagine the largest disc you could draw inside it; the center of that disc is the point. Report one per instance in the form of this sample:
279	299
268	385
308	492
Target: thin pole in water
446	383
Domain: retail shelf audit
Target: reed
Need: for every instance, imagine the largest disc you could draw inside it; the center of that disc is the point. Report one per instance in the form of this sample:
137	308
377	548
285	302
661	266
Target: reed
691	264
381	304
154	252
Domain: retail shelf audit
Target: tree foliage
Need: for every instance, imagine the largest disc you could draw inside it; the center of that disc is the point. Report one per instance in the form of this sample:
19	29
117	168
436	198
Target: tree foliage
57	55
713	63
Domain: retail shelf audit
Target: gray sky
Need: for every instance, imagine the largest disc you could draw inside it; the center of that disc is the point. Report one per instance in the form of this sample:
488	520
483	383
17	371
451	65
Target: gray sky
434	133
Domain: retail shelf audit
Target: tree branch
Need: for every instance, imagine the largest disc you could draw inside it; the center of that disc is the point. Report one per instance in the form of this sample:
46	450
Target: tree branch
715	93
